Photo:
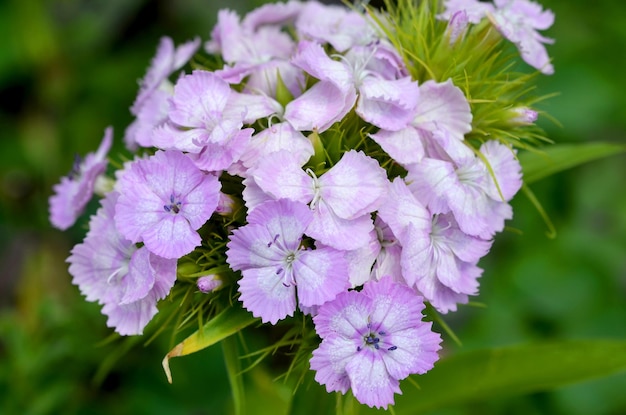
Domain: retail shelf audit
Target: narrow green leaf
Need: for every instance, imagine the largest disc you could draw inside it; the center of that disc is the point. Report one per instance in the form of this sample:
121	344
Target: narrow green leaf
228	322
233	368
479	375
551	232
552	159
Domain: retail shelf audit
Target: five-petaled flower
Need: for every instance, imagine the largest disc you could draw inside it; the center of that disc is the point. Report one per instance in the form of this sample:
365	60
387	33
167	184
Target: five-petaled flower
163	201
371	340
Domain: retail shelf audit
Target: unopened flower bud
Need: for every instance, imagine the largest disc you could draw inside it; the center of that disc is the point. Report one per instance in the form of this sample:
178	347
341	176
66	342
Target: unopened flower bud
209	283
457	26
523	116
225	205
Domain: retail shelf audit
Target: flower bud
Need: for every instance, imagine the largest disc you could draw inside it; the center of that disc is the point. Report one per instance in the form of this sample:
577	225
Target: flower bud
209	283
523	116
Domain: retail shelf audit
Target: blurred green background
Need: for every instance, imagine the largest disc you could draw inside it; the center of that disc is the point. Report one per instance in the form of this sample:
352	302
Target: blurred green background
69	68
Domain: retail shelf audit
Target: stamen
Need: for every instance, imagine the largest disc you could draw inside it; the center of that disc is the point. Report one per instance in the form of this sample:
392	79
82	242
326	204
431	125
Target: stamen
392	348
174	205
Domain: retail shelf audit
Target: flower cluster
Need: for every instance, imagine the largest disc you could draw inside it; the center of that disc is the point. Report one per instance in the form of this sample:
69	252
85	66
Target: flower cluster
307	166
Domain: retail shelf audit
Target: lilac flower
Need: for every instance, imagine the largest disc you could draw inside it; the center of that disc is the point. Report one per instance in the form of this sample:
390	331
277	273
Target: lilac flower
371	340
379	257
150	106
163	201
341	199
111	270
76	189
339	26
441	109
441	264
257	51
436	258
519	21
276	137
467	188
167	60
386	103
475	10
206	119
269	253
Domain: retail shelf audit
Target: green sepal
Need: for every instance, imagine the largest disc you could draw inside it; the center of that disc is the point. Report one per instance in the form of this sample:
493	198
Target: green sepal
283	94
228	322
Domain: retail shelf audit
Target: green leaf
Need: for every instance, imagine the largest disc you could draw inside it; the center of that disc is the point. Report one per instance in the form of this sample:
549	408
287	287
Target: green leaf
552	159
233	368
480	375
228	322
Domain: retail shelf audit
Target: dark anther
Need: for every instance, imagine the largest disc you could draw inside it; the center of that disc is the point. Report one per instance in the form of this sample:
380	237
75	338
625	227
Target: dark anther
392	348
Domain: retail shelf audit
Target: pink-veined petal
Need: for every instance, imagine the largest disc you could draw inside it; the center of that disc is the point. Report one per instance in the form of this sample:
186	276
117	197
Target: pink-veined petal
329	363
321	274
264	294
387	104
320	107
342	234
280	174
171	237
354	186
404	146
370	381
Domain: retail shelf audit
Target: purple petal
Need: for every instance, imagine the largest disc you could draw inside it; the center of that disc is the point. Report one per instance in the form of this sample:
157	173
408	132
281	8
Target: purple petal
342	234
329	361
280	174
416	351
388	104
215	157
199	99
140	278
285	218
321	274
395	307
277	137
369	380
171	237
320	107
354	186
346	316
253	246
443	106
264	294
400	208
404	146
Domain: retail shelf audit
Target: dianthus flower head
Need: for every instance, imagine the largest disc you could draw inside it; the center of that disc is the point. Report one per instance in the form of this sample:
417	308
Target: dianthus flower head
75	190
163	201
128	281
371	340
269	253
